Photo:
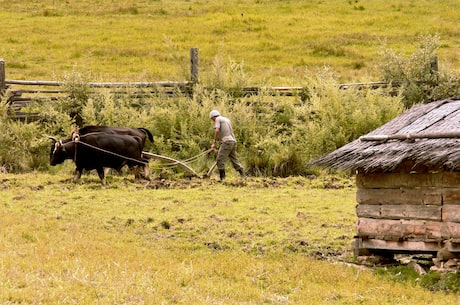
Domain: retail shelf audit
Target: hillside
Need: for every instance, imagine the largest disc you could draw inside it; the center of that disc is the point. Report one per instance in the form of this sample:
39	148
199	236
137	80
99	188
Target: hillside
275	41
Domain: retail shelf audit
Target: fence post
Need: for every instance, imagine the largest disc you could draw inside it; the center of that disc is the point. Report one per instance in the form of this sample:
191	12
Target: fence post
434	64
194	61
2	77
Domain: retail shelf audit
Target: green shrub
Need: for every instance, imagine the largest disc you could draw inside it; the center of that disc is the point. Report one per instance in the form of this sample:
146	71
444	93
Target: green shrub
22	147
78	93
334	117
418	75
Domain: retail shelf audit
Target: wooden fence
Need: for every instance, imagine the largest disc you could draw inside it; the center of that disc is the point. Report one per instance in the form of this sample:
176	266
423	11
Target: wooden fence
20	93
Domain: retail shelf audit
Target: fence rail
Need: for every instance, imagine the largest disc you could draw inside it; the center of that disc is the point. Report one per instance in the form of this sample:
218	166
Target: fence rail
21	93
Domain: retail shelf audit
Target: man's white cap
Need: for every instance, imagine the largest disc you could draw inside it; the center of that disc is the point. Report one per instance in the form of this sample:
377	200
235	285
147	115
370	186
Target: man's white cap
213	113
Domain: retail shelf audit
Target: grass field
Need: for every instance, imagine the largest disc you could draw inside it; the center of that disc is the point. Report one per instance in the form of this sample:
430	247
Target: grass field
276	41
258	241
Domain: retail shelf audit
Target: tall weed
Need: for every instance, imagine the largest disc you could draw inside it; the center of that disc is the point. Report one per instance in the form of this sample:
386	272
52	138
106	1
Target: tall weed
418	75
333	117
78	94
22	147
106	108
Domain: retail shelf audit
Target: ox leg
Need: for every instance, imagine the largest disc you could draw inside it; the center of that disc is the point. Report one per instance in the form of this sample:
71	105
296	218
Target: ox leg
135	170
100	173
146	172
106	171
77	175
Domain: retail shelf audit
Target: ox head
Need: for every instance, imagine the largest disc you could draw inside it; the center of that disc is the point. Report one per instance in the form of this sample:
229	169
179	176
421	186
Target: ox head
57	151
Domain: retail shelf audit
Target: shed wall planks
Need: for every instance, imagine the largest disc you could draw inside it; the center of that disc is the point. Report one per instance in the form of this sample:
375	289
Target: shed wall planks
400	229
399	196
408	180
400	211
451	213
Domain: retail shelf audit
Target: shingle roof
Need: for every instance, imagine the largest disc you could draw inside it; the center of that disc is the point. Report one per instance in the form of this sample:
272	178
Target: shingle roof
427	135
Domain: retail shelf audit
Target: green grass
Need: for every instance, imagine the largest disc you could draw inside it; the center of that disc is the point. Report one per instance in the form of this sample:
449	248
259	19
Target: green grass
276	40
262	241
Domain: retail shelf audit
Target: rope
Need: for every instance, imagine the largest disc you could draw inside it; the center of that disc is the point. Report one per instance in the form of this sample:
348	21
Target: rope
77	141
189	160
186	161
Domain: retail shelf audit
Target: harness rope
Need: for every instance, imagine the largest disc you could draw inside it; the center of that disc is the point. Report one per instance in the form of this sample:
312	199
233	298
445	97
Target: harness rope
190	160
76	139
172	162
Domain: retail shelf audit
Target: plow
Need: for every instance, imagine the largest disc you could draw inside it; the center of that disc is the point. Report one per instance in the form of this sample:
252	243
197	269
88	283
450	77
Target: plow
181	164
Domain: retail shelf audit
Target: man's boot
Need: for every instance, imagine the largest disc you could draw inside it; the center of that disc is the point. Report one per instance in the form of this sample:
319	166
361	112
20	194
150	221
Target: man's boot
222	174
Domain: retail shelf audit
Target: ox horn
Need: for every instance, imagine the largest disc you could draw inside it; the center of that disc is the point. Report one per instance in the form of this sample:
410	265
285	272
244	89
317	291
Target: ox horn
52	138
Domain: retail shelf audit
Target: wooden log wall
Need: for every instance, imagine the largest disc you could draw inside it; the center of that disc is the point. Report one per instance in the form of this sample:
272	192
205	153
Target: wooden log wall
408	211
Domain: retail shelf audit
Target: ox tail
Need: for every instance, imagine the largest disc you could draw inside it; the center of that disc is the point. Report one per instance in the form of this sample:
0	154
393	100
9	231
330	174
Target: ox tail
147	132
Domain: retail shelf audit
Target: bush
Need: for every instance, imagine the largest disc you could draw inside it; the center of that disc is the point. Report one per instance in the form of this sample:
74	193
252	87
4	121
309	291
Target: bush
22	146
418	75
334	117
78	94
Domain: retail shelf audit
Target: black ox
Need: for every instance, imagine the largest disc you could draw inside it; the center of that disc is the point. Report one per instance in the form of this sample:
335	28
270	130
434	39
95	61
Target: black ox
97	150
143	133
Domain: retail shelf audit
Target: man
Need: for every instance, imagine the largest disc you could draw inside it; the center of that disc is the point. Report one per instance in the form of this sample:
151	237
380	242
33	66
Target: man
223	130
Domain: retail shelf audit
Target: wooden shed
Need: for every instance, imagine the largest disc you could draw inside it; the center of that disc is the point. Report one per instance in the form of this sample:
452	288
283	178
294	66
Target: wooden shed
408	181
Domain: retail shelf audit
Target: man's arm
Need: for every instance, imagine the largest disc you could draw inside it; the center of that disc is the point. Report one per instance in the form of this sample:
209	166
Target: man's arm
216	136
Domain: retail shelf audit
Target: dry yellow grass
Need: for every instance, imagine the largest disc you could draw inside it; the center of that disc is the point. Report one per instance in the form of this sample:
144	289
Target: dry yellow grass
196	242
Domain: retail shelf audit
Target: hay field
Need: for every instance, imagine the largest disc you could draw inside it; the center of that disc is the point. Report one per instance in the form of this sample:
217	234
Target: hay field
258	241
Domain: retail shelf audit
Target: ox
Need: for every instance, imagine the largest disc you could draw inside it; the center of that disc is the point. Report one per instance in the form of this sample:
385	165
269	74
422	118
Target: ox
98	150
141	132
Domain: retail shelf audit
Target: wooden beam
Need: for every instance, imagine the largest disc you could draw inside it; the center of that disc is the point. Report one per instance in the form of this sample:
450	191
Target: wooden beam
408	136
170	160
408	180
451	195
2	76
194	62
450	230
398	246
400	196
99	84
401	211
451	213
399	229
407	229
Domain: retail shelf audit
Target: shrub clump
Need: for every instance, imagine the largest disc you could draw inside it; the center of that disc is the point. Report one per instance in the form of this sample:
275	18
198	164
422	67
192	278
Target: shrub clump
418	76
